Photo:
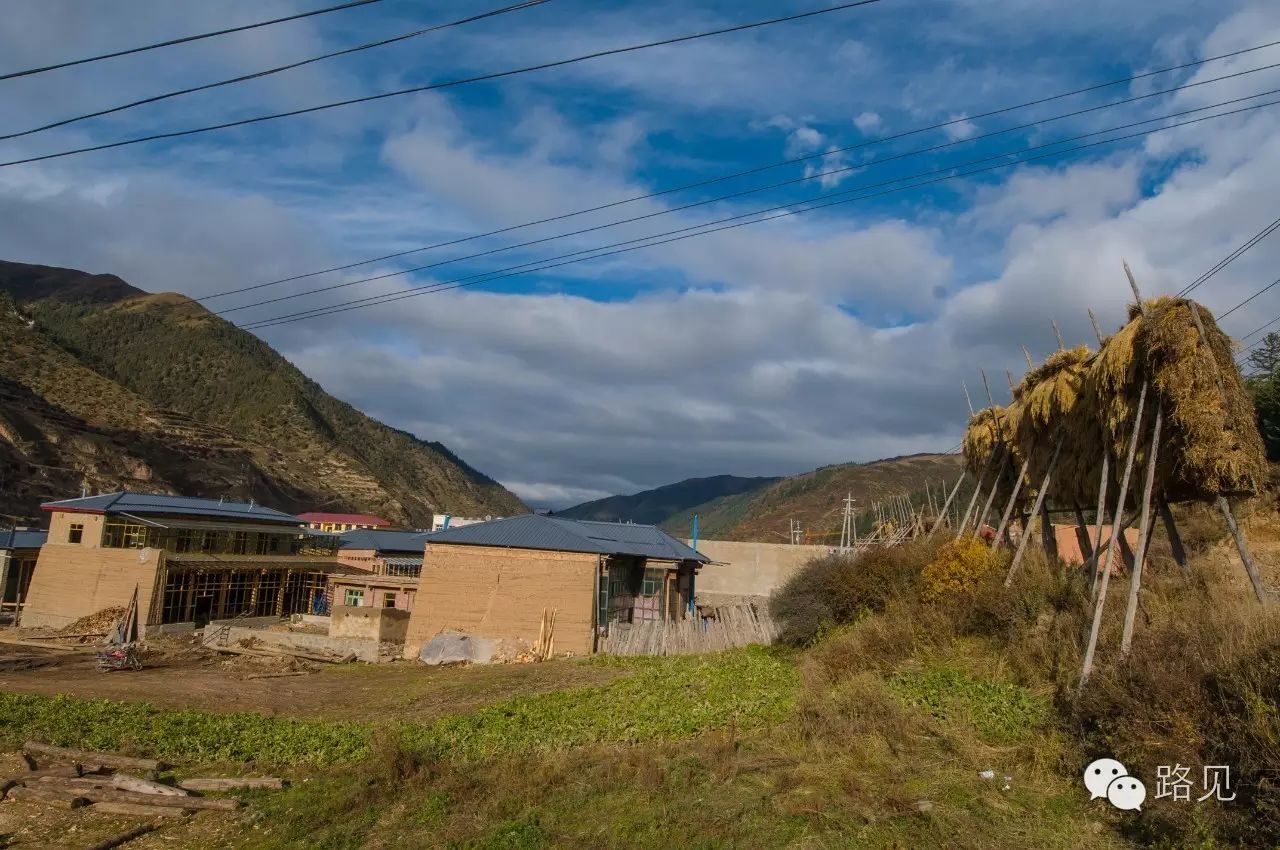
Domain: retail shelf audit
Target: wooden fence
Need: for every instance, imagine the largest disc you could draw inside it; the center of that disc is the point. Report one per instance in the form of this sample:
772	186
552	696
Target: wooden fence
723	628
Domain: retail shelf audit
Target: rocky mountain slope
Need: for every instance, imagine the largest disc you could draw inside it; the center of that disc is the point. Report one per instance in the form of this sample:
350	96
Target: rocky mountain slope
815	499
104	385
661	503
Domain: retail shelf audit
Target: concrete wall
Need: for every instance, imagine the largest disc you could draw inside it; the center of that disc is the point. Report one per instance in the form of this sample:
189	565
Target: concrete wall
364	650
493	592
73	581
369	623
749	569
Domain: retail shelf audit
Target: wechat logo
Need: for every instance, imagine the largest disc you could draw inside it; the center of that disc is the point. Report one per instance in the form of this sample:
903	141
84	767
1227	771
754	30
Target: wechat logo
1110	779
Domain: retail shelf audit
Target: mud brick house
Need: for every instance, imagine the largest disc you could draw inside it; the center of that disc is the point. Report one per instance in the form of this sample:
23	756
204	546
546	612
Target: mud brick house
392	561
189	560
19	549
496	579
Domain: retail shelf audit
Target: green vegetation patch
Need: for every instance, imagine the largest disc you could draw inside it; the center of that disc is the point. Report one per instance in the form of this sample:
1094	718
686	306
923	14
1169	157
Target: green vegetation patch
179	736
665	699
1001	711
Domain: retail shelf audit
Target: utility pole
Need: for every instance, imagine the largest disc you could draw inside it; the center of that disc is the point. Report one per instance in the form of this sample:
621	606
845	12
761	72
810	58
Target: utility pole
797	532
848	534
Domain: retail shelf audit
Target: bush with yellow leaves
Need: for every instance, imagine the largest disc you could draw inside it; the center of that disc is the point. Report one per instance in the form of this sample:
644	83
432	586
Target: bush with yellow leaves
958	570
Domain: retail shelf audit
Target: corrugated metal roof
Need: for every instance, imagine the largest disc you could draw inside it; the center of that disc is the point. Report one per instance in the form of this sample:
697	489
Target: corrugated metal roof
156	504
383	541
28	539
531	531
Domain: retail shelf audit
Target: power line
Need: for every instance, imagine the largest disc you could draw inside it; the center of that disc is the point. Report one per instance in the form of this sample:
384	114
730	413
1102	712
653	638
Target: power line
1232	257
808	177
435	86
1250	298
1257	331
269	71
659	193
185	39
490	276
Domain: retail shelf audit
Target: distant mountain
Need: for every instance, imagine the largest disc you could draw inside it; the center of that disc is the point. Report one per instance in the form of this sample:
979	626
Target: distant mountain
106	385
655	506
815	499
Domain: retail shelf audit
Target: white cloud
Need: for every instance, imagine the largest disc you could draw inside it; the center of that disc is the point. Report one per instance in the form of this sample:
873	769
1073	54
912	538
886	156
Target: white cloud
867	122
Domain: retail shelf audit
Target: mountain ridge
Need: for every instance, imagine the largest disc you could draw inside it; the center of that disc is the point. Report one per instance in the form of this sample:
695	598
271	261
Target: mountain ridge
654	505
97	368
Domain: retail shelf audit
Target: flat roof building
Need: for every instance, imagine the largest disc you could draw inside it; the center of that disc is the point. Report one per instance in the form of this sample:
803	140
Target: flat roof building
390	562
497	580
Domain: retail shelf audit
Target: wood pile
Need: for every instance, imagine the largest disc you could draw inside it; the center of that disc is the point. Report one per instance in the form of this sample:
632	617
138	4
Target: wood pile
113	784
724	627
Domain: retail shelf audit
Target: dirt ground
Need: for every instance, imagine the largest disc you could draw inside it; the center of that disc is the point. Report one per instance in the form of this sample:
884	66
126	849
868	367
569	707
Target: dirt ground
180	678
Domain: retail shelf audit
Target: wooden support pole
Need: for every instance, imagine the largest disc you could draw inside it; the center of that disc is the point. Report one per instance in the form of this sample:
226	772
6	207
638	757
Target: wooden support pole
1008	508
1048	539
1044	489
1100	600
950	498
1243	548
1027	354
1144	533
1097	331
1102	510
995	486
1057	334
1175	539
977	491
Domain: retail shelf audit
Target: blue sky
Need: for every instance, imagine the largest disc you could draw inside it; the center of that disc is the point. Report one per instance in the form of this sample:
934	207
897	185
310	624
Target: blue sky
841	334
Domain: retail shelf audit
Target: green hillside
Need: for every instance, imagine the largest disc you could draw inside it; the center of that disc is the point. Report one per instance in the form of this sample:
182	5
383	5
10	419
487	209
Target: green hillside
655	506
172	354
815	499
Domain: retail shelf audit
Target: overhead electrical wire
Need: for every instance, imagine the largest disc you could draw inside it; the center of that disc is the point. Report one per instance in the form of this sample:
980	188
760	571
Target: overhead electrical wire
548	264
1232	257
702	183
441	85
1250	298
806	178
528	4
184	40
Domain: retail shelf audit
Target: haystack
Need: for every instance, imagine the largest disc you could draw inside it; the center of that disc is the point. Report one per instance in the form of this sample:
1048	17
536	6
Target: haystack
1212	446
1208	447
981	438
1051	402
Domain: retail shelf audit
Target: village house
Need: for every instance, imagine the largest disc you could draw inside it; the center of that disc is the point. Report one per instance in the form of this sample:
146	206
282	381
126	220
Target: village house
442	522
188	561
338	523
19	549
391	561
497	579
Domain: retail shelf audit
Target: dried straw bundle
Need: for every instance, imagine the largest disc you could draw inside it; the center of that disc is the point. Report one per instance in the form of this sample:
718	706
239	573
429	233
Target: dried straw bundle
1052	401
1211	444
980	438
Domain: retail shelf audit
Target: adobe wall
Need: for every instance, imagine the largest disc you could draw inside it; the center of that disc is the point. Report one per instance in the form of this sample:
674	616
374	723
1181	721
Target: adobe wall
72	581
494	592
60	526
749	569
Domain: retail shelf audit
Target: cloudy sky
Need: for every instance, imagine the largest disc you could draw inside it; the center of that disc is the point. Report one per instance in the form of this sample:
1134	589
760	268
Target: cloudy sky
838	334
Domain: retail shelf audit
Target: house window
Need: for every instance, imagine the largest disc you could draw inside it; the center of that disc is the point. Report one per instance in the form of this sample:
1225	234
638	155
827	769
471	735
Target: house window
76	532
388	600
354	598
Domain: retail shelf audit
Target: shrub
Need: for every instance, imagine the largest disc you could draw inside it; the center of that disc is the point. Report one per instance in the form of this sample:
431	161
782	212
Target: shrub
958	570
838	589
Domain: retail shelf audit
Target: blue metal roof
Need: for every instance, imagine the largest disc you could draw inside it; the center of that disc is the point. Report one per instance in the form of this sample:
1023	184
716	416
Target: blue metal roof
29	539
159	504
383	541
532	531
